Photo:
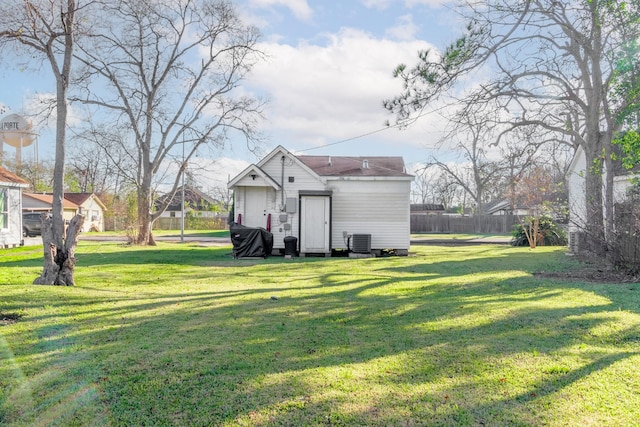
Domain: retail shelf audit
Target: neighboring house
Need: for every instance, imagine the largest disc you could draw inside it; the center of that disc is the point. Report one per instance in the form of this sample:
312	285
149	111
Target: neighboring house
503	207
196	201
577	194
11	186
427	209
91	207
327	202
86	204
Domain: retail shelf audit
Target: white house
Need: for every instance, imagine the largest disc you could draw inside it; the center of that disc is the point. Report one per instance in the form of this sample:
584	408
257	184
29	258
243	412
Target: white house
577	195
91	207
11	186
503	207
327	202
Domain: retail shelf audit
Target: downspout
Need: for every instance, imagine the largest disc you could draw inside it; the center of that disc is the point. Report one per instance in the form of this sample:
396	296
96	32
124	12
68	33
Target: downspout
282	184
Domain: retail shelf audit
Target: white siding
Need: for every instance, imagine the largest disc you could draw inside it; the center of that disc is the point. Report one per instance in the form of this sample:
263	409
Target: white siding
577	197
93	214
620	186
360	205
378	207
302	180
12	235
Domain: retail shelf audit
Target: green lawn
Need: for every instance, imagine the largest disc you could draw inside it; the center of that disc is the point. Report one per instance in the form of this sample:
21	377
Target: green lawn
183	335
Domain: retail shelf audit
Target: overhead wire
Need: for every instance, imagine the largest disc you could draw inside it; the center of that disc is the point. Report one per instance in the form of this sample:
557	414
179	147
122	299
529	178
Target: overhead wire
389	126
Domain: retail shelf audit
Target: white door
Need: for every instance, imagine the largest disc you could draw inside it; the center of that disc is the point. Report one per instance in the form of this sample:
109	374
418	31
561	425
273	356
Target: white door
255	207
314	227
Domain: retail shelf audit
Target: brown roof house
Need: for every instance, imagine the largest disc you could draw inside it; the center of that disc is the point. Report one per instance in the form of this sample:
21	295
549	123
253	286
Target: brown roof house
327	203
87	204
11	186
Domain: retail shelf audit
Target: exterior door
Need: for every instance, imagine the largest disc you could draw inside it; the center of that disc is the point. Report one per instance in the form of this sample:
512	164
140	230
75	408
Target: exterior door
255	207
314	226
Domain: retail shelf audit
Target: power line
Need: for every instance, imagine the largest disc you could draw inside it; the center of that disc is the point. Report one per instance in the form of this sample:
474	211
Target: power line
350	139
387	127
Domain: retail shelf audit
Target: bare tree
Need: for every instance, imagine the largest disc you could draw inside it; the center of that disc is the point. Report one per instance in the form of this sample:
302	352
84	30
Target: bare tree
488	157
165	73
447	192
98	163
554	62
38	174
45	31
423	186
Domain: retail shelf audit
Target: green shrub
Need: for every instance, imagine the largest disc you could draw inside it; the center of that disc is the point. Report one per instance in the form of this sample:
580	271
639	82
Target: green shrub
549	233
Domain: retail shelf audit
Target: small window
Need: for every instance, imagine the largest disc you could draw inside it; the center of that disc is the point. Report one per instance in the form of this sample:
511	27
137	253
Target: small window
172	214
4	208
292	179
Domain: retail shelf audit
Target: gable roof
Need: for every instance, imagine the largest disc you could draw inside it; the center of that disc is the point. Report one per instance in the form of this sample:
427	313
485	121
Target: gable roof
355	166
11	179
323	167
48	199
81	198
253	171
283	152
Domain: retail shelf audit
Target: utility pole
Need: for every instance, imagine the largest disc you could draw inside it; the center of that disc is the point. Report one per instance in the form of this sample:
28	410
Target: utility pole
184	169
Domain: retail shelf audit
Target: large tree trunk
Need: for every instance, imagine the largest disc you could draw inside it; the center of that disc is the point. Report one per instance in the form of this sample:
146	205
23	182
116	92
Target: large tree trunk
59	261
145	217
594	221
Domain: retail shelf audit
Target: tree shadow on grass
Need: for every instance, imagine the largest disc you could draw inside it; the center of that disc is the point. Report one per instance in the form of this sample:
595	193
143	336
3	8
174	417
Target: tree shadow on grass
431	350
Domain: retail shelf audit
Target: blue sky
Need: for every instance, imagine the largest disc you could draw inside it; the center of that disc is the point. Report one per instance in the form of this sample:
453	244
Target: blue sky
329	69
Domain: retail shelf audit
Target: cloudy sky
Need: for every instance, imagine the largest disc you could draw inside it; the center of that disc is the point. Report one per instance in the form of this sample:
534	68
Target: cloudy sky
328	70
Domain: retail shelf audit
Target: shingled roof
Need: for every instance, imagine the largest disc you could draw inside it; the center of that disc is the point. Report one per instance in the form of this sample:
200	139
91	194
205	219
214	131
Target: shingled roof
355	166
7	177
48	199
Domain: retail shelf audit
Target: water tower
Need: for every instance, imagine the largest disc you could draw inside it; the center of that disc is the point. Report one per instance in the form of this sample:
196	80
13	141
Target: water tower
17	132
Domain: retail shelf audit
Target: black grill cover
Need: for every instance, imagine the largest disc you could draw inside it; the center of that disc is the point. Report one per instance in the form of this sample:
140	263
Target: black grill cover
250	242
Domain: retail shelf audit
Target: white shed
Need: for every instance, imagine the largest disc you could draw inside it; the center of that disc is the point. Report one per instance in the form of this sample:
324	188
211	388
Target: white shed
11	187
327	202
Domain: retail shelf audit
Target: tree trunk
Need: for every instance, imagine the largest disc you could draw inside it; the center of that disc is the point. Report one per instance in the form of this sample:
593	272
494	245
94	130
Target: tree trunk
594	221
59	261
145	219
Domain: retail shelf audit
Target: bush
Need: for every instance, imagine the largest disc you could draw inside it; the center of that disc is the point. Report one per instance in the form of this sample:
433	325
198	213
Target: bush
549	233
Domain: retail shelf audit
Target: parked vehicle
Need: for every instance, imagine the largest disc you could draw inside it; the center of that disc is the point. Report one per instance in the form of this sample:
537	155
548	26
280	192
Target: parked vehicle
31	224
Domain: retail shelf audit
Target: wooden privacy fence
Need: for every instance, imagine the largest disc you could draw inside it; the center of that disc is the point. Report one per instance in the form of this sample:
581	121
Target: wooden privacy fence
476	224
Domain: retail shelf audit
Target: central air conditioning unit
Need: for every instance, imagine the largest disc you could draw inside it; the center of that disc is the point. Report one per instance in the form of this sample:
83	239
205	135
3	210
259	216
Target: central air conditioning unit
361	243
576	241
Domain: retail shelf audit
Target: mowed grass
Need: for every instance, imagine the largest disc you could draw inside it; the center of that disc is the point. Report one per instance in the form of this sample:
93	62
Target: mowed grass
183	335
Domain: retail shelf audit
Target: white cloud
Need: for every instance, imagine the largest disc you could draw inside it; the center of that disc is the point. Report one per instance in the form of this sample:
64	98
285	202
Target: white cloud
376	4
385	4
430	3
321	94
299	8
43	113
405	29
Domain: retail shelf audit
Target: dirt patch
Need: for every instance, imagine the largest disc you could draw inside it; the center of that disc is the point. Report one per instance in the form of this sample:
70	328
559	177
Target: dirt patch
592	275
9	318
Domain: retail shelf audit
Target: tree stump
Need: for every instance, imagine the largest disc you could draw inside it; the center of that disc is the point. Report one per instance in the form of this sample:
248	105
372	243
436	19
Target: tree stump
59	262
